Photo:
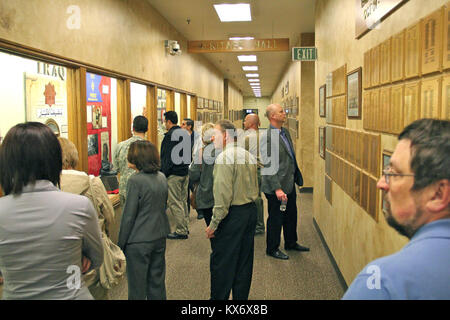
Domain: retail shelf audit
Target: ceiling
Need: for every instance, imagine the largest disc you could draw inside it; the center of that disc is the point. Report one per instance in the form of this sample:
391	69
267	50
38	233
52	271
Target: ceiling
270	19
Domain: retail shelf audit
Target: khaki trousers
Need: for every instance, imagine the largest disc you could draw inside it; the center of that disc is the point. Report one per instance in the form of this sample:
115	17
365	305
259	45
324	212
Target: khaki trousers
176	202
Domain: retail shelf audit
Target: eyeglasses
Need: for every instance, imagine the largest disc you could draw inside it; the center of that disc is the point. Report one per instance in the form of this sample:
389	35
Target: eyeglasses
387	173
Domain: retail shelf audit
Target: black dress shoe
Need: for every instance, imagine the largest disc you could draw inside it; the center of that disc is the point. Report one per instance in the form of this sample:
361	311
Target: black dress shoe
176	236
278	255
297	247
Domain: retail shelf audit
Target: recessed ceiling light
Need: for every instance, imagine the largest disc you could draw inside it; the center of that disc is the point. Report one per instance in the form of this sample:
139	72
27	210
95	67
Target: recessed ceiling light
253	80
254	84
247	58
250	68
252	75
240	38
233	12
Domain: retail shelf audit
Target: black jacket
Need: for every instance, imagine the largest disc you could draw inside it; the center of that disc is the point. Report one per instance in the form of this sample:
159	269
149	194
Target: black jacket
182	153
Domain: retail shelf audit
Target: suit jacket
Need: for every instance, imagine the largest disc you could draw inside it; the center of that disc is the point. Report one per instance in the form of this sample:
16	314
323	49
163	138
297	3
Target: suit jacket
144	216
167	145
285	172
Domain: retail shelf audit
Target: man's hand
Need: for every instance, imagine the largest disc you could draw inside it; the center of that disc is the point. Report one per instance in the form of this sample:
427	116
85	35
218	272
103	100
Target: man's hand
281	195
209	233
85	264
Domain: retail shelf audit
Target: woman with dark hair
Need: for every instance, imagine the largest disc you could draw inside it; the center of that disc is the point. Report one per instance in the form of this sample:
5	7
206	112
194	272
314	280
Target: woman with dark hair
47	237
145	226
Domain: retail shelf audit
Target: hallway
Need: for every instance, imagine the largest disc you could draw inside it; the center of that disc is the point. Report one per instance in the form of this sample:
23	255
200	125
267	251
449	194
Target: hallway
305	276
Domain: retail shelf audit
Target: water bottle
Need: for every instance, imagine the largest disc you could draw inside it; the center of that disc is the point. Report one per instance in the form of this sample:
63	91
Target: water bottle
283	205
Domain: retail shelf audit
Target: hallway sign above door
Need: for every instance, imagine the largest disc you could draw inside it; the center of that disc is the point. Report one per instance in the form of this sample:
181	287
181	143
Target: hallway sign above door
223	46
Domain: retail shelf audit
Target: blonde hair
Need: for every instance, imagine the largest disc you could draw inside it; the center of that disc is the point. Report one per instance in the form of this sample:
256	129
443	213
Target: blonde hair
69	153
207	132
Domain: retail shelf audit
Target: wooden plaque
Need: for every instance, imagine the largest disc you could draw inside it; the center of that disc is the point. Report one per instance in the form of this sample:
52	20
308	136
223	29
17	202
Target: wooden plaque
339	80
375	141
375	66
358	149
411	107
328	189
396	120
366	70
375	116
372	205
329	85
351	146
329	110
340	110
356	181
398	57
384	110
364	190
431	38
328	138
430	93
333	167
385	62
412	51
446	42
367	109
365	151
322	142
445	105
253	45
322	91
347	172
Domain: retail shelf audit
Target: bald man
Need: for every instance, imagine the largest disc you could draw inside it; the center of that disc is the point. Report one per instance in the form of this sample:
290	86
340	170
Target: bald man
251	141
279	184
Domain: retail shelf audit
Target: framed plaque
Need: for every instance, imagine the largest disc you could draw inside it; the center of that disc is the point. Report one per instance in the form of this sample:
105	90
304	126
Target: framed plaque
375	66
430	93
411	108
446	44
398	57
385	62
322	142
396	120
431	39
322	91
366	70
328	189
354	92
445	105
412	51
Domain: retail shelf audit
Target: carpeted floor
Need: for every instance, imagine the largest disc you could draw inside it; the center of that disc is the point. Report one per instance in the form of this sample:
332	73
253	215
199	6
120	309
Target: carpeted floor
305	276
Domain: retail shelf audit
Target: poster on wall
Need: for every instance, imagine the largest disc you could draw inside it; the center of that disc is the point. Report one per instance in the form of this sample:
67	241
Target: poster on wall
46	101
98	101
369	14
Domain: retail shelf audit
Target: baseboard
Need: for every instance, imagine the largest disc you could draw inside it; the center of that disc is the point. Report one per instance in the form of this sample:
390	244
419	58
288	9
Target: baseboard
330	255
306	190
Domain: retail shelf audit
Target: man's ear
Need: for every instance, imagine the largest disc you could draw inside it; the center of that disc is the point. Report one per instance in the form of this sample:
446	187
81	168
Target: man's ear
440	196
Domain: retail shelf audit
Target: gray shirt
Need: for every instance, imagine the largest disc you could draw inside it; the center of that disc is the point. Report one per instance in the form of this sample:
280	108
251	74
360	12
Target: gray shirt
43	234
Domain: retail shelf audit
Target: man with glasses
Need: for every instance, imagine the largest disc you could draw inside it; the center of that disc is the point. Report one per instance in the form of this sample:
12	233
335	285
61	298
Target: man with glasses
416	187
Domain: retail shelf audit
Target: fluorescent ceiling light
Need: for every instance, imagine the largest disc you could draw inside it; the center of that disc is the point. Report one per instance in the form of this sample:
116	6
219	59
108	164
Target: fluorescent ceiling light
233	12
252	75
247	58
255	85
253	80
250	68
240	38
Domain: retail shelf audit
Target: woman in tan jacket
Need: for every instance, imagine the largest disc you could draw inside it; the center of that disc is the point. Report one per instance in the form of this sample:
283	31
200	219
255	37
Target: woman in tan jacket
78	182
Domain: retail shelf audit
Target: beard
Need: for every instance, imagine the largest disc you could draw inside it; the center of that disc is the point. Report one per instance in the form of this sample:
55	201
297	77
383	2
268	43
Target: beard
407	229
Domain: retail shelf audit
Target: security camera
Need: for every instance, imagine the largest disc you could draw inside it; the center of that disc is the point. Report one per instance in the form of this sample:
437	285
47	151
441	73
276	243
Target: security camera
173	47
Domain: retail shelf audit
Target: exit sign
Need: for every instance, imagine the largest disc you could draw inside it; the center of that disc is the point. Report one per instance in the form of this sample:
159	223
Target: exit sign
304	54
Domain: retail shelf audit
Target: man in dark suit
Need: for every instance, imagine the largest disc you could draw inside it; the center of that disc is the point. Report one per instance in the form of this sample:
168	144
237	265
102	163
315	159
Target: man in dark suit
279	176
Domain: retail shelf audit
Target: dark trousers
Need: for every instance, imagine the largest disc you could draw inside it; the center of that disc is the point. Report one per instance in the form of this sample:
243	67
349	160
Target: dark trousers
231	262
277	220
207	215
146	270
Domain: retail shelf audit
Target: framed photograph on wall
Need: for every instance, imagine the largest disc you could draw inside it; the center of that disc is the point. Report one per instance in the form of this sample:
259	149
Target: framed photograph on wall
385	163
322	91
322	142
354	92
